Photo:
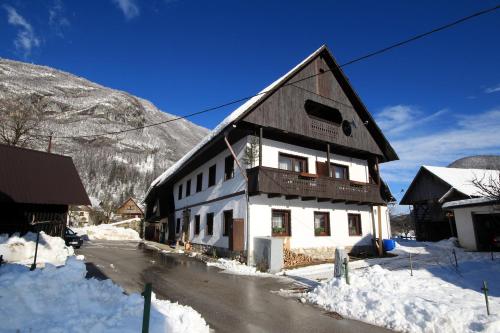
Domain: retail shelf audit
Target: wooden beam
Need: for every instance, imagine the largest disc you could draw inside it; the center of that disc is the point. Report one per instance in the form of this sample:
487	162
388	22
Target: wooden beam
291	197
323	199
243	172
260	145
308	198
273	195
337	200
328	160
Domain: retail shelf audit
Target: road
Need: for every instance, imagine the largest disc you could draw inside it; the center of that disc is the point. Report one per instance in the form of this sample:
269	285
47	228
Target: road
229	303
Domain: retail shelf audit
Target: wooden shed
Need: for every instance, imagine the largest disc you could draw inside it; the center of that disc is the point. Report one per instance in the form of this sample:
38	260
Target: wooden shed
36	189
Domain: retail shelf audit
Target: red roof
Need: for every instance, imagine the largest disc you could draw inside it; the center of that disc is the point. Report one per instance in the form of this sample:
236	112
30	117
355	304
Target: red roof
35	177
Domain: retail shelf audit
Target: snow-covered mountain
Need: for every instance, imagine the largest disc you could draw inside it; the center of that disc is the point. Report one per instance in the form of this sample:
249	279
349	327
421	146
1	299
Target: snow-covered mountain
114	166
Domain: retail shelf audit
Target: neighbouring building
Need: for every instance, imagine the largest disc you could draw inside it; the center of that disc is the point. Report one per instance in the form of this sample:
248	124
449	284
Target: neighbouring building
434	186
79	215
36	189
298	162
130	209
478	223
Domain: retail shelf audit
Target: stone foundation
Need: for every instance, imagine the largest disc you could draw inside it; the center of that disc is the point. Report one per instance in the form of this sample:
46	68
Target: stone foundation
328	253
219	252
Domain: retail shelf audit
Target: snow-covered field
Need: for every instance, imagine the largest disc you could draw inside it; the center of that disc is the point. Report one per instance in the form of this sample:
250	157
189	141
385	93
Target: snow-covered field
438	297
60	299
21	250
107	232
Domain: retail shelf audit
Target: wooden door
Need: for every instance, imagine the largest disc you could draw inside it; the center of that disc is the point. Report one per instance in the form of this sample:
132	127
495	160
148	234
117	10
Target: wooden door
322	169
237	235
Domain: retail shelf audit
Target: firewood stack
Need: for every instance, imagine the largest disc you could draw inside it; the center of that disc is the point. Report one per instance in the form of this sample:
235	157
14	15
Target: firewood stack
292	259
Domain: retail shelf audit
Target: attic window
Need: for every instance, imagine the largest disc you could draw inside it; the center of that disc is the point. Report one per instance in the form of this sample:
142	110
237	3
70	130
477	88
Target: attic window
323	112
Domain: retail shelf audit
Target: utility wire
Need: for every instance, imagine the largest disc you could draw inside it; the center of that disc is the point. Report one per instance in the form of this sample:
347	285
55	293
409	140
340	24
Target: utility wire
355	60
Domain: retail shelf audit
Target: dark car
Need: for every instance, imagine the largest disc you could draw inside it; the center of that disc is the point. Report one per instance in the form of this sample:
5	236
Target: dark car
72	239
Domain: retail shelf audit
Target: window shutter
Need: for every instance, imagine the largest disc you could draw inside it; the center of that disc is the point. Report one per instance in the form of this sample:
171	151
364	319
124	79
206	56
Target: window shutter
322	169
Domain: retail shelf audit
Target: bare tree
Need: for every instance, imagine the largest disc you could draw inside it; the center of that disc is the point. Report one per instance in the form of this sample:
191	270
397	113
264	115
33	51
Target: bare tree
251	152
20	121
488	187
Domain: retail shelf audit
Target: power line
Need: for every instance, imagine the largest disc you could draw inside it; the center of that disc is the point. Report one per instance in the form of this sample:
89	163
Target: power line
355	60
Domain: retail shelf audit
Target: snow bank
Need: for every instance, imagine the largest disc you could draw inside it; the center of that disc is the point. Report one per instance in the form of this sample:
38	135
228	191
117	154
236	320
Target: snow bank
235	267
437	298
107	232
21	250
62	300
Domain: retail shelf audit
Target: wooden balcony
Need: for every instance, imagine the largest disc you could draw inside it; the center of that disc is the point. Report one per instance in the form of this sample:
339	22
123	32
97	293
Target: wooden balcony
277	182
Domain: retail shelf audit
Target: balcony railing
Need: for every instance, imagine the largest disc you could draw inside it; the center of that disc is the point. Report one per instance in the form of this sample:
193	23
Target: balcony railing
292	184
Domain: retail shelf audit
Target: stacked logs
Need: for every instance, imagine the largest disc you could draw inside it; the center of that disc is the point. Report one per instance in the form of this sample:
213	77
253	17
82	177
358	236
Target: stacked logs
292	259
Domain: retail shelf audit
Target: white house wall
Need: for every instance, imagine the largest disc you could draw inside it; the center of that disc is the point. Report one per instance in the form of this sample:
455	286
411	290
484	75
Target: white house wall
220	189
465	226
302	222
358	169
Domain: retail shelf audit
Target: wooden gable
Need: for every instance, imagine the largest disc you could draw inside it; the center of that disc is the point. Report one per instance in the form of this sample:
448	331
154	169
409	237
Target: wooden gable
129	207
285	109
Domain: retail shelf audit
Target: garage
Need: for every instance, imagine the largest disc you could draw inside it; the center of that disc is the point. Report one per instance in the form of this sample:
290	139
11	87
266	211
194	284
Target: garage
487	231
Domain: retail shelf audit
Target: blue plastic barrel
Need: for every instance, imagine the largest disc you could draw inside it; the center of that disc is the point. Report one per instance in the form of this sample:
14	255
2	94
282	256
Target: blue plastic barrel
389	244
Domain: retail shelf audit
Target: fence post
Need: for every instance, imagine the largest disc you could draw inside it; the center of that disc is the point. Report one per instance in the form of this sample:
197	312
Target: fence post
147	307
455	256
33	266
346	271
485	290
411	266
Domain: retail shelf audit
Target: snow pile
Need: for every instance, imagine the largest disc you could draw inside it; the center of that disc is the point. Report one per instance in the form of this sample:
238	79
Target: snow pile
21	250
234	267
437	298
107	232
62	300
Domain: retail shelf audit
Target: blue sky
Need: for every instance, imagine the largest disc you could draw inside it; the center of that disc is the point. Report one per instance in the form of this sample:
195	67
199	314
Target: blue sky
437	99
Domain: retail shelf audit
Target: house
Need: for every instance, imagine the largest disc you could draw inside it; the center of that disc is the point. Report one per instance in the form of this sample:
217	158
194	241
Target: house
477	221
130	209
431	188
79	215
299	162
36	189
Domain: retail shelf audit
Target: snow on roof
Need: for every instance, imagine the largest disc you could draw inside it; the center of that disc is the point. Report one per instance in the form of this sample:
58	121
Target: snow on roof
461	179
469	202
228	120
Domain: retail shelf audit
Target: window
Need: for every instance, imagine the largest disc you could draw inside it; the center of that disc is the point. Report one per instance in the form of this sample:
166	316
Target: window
179	195
280	223
210	223
292	163
197	224
323	112
178	226
321	224
339	171
211	175
354	221
199	182
228	167
228	219
188	188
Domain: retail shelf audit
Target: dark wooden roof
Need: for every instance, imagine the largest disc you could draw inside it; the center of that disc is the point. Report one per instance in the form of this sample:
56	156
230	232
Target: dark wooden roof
35	177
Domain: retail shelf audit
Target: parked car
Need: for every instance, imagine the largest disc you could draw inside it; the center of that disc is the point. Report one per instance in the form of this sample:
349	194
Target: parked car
72	239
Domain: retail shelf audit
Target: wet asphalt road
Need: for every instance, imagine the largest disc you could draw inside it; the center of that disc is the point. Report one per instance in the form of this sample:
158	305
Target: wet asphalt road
229	303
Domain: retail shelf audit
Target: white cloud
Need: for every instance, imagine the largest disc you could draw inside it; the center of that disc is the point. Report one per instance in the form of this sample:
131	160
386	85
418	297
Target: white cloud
471	135
128	7
396	119
26	38
491	90
57	18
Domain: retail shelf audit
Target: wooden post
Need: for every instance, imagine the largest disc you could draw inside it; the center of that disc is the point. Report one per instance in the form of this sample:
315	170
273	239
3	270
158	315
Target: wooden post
260	145
328	160
33	266
485	291
49	148
147	307
379	213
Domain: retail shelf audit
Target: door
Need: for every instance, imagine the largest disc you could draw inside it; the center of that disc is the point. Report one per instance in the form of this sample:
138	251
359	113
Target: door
237	235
